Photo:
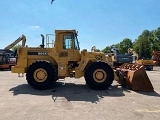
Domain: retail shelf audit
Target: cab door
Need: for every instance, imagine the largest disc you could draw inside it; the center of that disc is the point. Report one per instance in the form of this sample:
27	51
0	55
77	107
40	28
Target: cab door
68	48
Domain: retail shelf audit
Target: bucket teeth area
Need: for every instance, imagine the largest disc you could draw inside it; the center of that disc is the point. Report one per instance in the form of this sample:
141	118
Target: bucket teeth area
134	76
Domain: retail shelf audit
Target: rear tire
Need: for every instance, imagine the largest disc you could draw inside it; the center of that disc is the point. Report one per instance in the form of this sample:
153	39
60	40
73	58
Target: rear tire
41	75
99	75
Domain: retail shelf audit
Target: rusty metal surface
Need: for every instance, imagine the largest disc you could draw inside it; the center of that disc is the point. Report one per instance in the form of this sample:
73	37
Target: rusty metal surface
135	77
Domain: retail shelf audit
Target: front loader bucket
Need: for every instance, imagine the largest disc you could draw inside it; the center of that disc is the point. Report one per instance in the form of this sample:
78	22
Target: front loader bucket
135	77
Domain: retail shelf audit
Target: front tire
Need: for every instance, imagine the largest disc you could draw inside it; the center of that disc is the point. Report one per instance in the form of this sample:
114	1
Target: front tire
99	75
41	75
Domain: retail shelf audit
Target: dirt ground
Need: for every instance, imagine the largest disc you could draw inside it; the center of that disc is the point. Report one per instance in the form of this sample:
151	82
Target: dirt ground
72	99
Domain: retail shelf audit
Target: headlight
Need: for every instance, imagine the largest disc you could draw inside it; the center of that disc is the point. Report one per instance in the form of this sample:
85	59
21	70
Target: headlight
99	58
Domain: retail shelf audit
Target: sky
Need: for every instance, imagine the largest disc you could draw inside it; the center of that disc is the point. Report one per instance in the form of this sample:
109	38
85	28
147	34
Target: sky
99	23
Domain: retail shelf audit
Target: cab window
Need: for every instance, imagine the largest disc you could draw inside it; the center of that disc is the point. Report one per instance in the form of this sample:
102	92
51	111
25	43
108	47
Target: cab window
67	42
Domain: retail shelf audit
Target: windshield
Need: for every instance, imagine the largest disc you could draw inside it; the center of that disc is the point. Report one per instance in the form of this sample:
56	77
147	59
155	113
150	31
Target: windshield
67	43
69	40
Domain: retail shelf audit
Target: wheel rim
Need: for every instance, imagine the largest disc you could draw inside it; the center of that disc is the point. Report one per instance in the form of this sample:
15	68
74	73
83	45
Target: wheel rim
99	75
40	75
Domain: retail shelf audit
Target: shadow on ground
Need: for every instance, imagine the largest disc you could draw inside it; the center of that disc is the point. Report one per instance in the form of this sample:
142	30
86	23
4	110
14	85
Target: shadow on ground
149	93
71	91
75	92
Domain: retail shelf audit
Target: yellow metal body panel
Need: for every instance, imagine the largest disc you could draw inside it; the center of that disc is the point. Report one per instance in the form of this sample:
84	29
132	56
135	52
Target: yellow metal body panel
65	56
18	70
145	62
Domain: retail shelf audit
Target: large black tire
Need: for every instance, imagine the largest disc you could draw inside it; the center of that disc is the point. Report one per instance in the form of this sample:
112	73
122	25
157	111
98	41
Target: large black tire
99	75
41	75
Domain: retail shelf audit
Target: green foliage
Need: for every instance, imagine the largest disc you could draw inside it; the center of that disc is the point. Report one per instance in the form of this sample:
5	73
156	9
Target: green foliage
146	42
142	45
157	34
155	40
107	49
124	45
136	46
98	50
142	53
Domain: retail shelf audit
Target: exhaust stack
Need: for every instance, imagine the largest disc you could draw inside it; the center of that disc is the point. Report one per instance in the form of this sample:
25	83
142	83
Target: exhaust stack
42	45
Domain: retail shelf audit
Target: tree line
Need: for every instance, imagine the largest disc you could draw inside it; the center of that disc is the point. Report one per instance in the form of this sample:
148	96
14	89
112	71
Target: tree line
144	45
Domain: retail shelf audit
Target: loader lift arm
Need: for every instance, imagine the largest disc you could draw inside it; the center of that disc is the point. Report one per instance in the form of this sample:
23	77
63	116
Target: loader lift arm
22	38
6	59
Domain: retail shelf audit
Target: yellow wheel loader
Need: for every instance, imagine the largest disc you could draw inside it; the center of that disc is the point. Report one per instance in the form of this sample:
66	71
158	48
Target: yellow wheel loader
62	58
